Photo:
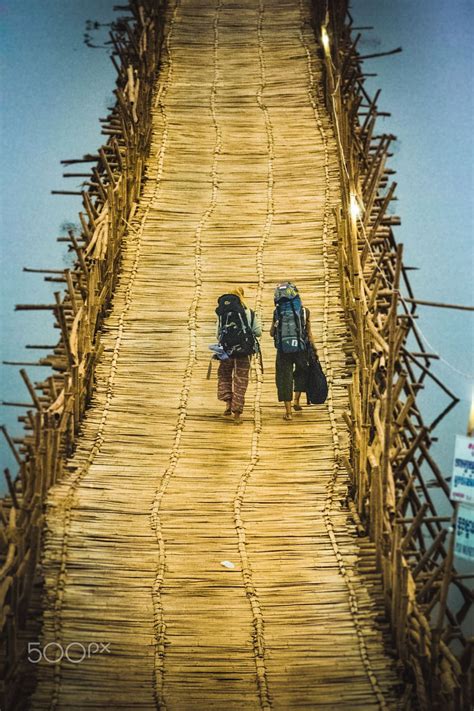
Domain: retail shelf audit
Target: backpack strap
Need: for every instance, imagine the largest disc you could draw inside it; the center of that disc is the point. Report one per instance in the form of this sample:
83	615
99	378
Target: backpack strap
297	321
244	319
277	318
305	322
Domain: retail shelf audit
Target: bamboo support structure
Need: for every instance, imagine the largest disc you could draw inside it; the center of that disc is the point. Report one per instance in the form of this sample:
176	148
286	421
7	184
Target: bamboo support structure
55	426
398	455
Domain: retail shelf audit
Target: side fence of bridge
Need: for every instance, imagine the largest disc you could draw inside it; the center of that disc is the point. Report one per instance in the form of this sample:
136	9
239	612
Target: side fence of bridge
390	459
390	454
52	424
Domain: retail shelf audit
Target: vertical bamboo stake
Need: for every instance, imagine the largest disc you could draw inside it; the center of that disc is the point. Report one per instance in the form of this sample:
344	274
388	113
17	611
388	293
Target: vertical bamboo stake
390	374
71	292
62	324
31	389
11	444
447	575
11	488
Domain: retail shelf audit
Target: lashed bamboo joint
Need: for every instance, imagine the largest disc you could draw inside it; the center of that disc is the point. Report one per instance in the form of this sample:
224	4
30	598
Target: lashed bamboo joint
236	568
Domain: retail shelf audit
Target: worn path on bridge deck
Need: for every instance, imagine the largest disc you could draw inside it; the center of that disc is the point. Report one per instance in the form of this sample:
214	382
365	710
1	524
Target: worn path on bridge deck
241	186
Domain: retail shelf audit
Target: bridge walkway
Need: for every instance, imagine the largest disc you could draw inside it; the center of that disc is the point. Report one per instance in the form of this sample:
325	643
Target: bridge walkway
240	189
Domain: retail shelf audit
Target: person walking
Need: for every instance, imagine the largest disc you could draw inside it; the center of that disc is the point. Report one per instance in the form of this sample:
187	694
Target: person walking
238	328
291	331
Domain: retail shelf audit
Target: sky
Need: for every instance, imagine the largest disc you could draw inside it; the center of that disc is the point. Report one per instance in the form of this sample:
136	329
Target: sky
54	89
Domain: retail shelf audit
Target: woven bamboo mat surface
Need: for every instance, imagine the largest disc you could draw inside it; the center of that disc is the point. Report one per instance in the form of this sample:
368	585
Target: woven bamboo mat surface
241	186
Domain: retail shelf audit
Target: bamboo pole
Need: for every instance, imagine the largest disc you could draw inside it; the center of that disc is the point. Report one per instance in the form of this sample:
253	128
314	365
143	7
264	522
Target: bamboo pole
438	304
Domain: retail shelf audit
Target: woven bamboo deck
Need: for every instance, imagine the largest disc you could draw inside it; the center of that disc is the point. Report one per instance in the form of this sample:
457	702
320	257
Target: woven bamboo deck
241	186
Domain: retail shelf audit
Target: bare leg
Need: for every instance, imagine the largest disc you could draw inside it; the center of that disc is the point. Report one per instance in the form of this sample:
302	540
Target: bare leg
287	415
296	401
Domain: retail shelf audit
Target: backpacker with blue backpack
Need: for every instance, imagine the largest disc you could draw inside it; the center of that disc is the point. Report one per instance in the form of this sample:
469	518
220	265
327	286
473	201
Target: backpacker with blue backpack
290	319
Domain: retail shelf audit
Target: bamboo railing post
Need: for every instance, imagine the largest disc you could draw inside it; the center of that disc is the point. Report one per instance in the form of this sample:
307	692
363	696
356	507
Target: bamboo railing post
448	563
11	488
11	444
388	397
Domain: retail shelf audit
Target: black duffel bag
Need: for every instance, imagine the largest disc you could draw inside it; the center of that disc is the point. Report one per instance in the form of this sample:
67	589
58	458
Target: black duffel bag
317	385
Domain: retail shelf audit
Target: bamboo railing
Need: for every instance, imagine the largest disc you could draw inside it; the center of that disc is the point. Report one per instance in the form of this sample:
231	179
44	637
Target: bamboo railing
390	463
53	419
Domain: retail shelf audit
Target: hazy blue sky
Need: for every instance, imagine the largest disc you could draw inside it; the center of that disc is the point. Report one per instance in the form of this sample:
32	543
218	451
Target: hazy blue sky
54	89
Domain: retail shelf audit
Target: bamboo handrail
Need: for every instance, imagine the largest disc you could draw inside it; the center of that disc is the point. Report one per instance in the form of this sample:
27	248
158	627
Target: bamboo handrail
60	401
388	470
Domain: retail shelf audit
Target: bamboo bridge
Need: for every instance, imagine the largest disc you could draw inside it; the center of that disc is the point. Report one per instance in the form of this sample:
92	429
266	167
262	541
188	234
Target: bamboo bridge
277	565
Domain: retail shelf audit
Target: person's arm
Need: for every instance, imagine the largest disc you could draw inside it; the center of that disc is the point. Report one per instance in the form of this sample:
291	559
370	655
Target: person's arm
273	326
256	326
309	332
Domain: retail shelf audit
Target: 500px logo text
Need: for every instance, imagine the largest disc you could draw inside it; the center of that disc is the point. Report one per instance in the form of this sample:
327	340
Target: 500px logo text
74	652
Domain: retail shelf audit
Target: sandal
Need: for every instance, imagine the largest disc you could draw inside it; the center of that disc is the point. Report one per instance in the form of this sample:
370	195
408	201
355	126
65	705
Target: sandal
297	408
287	417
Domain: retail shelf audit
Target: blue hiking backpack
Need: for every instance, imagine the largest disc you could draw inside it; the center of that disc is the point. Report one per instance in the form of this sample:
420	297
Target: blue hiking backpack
289	316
